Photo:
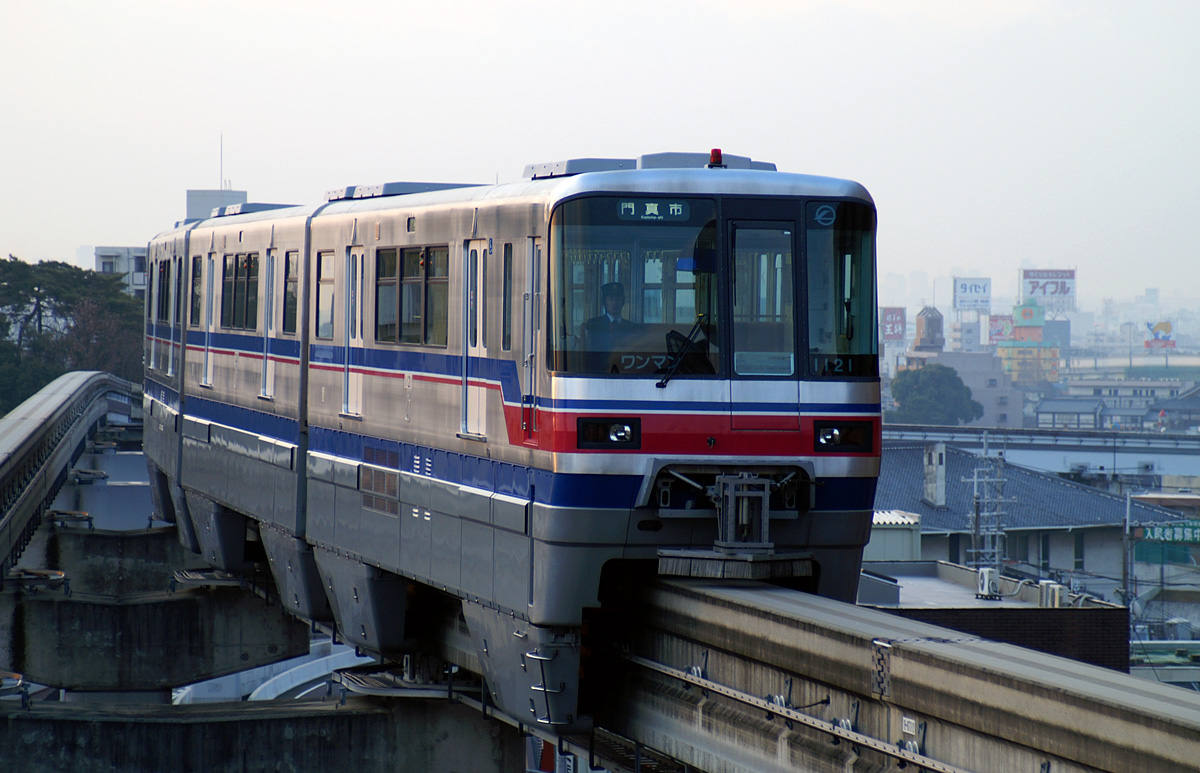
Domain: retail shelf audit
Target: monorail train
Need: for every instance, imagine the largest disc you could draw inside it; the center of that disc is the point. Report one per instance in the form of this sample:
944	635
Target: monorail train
497	395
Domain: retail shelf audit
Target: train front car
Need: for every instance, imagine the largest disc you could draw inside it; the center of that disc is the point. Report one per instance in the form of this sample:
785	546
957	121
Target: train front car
499	398
712	399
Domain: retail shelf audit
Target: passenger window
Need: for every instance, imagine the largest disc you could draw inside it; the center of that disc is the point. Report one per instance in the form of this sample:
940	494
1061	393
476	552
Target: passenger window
437	295
291	295
197	288
325	273
386	298
411	295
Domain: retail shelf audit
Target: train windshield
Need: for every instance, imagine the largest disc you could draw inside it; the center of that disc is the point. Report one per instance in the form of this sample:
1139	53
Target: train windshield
840	254
641	286
635	286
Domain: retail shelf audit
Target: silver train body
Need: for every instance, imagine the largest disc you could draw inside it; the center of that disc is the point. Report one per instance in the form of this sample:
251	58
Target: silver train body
399	392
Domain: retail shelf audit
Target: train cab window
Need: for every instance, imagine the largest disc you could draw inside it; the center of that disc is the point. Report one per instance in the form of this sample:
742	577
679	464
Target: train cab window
763	288
291	290
326	265
840	247
634	281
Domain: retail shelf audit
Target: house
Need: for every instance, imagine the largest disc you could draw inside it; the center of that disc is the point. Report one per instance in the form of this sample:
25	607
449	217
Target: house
1178	413
1070	413
1052	528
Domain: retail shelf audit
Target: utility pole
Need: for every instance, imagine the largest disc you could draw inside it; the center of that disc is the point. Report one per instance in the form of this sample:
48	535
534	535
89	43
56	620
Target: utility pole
987	520
1126	559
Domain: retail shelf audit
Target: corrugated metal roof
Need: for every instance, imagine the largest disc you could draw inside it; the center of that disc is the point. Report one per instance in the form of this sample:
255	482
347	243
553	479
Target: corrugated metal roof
895	518
1039	500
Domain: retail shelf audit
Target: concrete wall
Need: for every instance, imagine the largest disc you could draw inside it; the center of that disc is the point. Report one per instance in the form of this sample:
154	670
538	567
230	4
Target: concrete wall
363	736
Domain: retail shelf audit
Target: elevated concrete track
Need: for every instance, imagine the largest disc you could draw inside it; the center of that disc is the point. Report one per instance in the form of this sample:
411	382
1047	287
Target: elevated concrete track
737	676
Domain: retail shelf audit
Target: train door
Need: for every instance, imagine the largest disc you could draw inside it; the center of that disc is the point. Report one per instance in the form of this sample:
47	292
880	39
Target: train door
529	389
266	387
762	391
352	338
206	377
474	390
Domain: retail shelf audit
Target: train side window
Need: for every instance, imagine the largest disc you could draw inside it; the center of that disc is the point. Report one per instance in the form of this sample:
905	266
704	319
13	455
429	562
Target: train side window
411	286
150	294
506	322
291	295
197	289
164	290
250	322
239	292
386	276
325	269
227	288
437	295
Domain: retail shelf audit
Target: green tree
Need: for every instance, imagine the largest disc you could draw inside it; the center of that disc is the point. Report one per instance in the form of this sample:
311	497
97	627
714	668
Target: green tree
933	394
55	318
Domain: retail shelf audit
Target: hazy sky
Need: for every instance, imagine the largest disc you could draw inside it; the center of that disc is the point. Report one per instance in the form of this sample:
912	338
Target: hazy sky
1052	134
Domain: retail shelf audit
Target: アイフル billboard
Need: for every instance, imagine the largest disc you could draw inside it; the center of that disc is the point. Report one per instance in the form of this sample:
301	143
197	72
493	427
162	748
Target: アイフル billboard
1053	289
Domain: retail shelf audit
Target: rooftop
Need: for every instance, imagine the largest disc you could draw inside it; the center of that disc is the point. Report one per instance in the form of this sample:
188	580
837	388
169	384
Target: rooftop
1033	500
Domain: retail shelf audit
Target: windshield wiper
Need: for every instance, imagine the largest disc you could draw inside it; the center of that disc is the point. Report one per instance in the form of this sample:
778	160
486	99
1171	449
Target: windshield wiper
677	358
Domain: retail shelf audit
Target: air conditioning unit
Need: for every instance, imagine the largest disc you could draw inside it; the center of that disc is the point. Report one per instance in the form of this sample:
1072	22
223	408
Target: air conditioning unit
1051	594
989	585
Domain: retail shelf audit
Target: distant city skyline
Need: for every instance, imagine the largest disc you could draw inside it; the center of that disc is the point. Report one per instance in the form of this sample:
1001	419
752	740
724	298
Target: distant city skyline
1054	134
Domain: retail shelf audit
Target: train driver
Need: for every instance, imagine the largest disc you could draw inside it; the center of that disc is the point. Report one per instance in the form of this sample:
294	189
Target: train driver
602	333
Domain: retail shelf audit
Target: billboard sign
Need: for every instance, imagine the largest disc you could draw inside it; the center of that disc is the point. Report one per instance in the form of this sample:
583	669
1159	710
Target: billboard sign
1054	290
1000	328
892	323
1184	531
1162	336
972	294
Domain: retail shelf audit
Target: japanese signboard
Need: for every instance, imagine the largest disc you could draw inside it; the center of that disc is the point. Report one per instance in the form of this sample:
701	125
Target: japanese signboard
1161	336
1184	531
1000	328
1054	290
972	294
892	323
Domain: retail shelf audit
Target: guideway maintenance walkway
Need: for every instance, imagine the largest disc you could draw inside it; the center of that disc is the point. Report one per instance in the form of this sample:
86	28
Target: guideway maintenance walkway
731	676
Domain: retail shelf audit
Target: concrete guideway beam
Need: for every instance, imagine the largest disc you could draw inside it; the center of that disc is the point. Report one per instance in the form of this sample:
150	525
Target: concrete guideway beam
966	703
360	734
149	641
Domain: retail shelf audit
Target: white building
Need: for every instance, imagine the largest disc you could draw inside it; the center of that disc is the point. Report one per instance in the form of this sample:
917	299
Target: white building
129	262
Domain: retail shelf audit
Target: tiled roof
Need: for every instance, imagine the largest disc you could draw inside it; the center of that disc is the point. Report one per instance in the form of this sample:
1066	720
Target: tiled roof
1070	405
1038	500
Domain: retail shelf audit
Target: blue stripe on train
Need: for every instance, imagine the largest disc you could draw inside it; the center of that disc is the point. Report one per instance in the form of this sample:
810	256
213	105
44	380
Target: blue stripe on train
544	486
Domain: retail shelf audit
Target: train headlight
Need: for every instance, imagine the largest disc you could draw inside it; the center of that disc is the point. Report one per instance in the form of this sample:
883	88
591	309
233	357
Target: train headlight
843	437
620	433
609	433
